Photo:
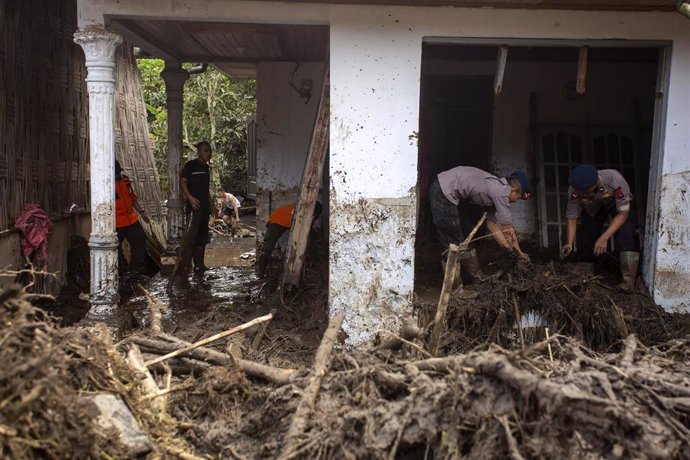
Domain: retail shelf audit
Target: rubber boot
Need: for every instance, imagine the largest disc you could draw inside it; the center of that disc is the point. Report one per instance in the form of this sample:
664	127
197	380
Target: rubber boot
458	290
262	261
470	263
629	263
199	254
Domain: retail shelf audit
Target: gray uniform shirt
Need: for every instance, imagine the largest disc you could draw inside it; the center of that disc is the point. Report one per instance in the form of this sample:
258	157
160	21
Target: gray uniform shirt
613	191
465	183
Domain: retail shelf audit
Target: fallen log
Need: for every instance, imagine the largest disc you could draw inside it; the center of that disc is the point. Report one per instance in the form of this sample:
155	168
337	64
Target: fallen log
167	344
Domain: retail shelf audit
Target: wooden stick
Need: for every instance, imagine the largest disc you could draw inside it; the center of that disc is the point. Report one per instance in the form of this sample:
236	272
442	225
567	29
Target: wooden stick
211	339
518	317
321	363
548	343
439	319
451	269
260	334
465	244
500	69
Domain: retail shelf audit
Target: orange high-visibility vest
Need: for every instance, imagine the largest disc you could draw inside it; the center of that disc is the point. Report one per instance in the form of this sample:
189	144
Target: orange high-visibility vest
282	216
125	199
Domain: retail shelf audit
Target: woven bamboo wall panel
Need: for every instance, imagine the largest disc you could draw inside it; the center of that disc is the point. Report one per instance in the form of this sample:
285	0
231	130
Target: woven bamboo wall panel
44	156
133	145
42	100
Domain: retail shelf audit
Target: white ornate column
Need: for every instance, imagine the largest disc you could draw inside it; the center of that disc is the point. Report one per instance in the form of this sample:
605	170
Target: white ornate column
99	48
175	77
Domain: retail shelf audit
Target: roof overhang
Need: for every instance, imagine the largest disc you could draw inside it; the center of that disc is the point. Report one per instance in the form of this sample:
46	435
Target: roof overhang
601	5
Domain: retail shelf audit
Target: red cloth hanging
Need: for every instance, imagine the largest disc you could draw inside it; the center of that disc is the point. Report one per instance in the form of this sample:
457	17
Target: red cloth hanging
35	227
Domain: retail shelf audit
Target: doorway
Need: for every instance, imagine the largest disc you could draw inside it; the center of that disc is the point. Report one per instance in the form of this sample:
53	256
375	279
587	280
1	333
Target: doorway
538	123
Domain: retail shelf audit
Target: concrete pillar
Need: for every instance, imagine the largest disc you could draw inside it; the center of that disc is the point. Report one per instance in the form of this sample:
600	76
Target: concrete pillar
175	77
99	48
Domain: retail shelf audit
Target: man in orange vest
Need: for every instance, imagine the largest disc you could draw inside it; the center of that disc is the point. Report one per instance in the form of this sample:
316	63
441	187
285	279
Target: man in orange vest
127	222
279	221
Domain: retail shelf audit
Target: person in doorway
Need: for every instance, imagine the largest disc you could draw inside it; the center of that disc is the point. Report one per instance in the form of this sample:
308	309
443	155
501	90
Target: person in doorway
127	223
458	197
279	221
195	180
601	193
231	207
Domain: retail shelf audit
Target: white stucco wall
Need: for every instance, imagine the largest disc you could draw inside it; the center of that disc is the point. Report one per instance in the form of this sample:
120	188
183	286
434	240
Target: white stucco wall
283	131
375	60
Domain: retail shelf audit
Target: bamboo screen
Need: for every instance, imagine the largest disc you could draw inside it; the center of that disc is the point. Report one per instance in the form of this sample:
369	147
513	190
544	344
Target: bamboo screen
133	145
44	114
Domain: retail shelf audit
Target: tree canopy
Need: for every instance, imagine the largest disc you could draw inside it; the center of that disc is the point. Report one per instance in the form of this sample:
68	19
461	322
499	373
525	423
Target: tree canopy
215	109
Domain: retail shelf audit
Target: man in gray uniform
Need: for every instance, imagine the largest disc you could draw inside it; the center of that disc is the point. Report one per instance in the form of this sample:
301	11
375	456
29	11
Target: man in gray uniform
601	193
457	198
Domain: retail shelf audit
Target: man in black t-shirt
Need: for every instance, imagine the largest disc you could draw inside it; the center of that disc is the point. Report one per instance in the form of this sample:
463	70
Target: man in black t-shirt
195	180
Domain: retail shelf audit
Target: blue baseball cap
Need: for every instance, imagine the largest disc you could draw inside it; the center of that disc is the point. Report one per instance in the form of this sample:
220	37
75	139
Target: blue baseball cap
583	177
524	182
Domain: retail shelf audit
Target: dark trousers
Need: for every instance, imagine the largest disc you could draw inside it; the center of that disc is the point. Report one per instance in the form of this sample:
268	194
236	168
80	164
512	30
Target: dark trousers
196	237
591	230
136	237
271	237
453	223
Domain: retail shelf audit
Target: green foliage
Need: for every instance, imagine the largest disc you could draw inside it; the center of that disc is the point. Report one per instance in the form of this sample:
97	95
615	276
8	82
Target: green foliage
215	109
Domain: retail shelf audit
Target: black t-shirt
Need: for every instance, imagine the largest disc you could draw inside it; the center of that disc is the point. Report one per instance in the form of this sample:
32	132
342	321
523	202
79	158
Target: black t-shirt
198	175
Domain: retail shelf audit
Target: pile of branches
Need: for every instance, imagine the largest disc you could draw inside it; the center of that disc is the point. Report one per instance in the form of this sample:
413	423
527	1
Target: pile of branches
555	398
388	399
582	306
47	371
503	404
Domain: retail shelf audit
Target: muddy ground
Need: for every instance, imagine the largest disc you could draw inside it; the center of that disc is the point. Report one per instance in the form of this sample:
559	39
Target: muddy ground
612	381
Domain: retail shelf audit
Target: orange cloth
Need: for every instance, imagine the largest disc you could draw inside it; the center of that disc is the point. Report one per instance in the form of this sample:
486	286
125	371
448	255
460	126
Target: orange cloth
282	216
125	199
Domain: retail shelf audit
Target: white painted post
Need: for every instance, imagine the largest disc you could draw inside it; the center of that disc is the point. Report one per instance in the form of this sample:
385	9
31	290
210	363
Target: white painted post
175	77
99	48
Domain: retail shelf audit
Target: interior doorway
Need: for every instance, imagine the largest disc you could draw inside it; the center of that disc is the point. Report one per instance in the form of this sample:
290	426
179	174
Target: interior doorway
538	123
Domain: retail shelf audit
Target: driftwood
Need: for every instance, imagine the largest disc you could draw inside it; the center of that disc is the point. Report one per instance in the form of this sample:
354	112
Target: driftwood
168	344
211	339
157	308
322	362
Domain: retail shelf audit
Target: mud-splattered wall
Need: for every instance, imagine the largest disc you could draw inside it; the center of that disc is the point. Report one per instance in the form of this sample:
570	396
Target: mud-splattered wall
375	70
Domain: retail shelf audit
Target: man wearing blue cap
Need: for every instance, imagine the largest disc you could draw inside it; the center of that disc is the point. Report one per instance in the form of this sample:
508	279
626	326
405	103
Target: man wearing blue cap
601	193
457	198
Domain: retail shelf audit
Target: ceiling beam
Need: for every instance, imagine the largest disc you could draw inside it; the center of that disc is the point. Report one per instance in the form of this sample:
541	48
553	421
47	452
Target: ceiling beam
221	60
138	37
632	5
